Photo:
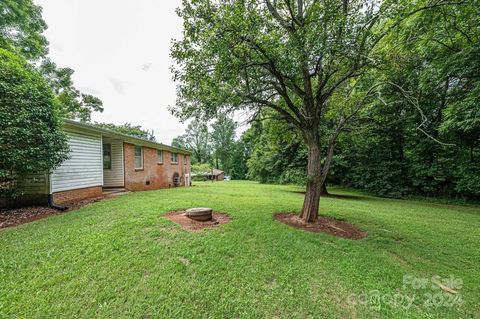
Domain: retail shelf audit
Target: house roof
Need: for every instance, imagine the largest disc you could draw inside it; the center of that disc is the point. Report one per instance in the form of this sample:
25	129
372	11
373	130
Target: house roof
70	124
217	171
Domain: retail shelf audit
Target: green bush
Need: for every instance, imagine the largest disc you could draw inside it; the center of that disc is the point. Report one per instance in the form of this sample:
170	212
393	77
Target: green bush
31	139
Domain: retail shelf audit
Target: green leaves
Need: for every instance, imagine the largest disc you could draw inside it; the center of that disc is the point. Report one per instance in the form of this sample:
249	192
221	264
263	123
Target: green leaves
21	28
31	139
73	103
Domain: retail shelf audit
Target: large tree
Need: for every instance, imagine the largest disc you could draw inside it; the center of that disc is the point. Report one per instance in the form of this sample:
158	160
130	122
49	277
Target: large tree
288	56
195	139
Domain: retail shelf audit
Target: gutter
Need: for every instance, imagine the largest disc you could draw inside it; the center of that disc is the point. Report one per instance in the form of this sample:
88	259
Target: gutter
51	202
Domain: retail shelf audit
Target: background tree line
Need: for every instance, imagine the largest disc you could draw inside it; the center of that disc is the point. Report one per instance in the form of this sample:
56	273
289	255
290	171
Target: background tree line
215	146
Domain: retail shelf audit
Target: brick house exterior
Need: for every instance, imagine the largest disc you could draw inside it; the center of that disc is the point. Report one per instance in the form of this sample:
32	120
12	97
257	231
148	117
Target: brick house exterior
101	159
77	194
153	175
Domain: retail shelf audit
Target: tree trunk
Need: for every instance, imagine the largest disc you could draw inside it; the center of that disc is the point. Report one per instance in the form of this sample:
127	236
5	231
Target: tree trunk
324	189
311	202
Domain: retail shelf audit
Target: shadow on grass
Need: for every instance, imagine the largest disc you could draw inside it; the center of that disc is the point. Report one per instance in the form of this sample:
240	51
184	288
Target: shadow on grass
335	196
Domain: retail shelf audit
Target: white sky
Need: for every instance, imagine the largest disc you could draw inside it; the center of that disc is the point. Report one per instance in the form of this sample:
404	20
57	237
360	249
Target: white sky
119	50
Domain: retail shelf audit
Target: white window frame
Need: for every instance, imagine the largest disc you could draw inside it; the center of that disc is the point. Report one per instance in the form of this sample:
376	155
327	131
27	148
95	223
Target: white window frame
172	154
160	158
135	157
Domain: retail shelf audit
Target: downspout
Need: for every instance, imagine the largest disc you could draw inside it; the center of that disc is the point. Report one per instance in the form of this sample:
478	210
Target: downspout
51	202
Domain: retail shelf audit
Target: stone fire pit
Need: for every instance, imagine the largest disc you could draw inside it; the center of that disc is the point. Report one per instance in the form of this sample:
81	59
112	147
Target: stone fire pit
201	214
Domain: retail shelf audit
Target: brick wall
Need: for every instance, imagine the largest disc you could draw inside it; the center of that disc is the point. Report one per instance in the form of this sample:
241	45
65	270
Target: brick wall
153	175
77	194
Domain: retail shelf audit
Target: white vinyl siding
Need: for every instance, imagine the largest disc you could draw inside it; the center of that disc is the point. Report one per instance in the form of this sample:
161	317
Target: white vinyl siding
113	177
84	167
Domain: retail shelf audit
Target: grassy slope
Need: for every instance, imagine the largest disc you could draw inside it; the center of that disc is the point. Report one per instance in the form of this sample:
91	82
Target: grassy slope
120	258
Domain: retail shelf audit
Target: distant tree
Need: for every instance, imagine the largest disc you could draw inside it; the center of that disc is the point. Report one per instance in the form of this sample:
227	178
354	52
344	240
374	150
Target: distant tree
31	139
278	154
288	56
75	105
129	129
223	142
239	157
21	28
180	142
195	139
21	31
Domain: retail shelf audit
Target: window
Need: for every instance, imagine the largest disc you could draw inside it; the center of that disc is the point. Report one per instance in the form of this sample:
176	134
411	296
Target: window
184	159
138	157
174	158
107	156
159	156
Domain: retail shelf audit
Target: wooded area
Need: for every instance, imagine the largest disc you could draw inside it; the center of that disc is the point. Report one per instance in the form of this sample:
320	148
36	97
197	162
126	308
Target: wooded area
378	95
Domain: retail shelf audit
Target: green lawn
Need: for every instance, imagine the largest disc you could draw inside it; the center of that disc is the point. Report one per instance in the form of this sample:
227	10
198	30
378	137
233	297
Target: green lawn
119	258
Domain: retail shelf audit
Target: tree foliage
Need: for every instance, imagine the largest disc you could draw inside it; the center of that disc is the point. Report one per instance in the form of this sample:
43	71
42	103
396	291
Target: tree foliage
223	141
21	28
216	147
196	139
75	105
420	135
21	32
31	139
129	129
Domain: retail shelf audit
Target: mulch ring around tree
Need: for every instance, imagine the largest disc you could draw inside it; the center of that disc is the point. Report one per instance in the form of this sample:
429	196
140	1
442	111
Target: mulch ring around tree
324	224
179	217
23	215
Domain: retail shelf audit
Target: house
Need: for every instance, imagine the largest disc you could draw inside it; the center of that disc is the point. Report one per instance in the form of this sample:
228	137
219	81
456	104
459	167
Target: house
214	174
102	159
217	175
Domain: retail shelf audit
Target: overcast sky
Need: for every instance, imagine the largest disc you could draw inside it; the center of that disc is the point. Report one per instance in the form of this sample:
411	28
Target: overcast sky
119	50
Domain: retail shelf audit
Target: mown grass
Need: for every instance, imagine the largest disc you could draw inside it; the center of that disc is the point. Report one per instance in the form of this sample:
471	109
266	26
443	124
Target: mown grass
119	258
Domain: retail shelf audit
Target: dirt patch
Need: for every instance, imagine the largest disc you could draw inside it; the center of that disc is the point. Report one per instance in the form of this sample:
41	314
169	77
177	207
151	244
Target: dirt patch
179	217
324	224
18	216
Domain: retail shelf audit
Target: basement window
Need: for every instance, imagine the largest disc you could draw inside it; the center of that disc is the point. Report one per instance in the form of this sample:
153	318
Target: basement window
174	158
138	157
107	156
159	156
